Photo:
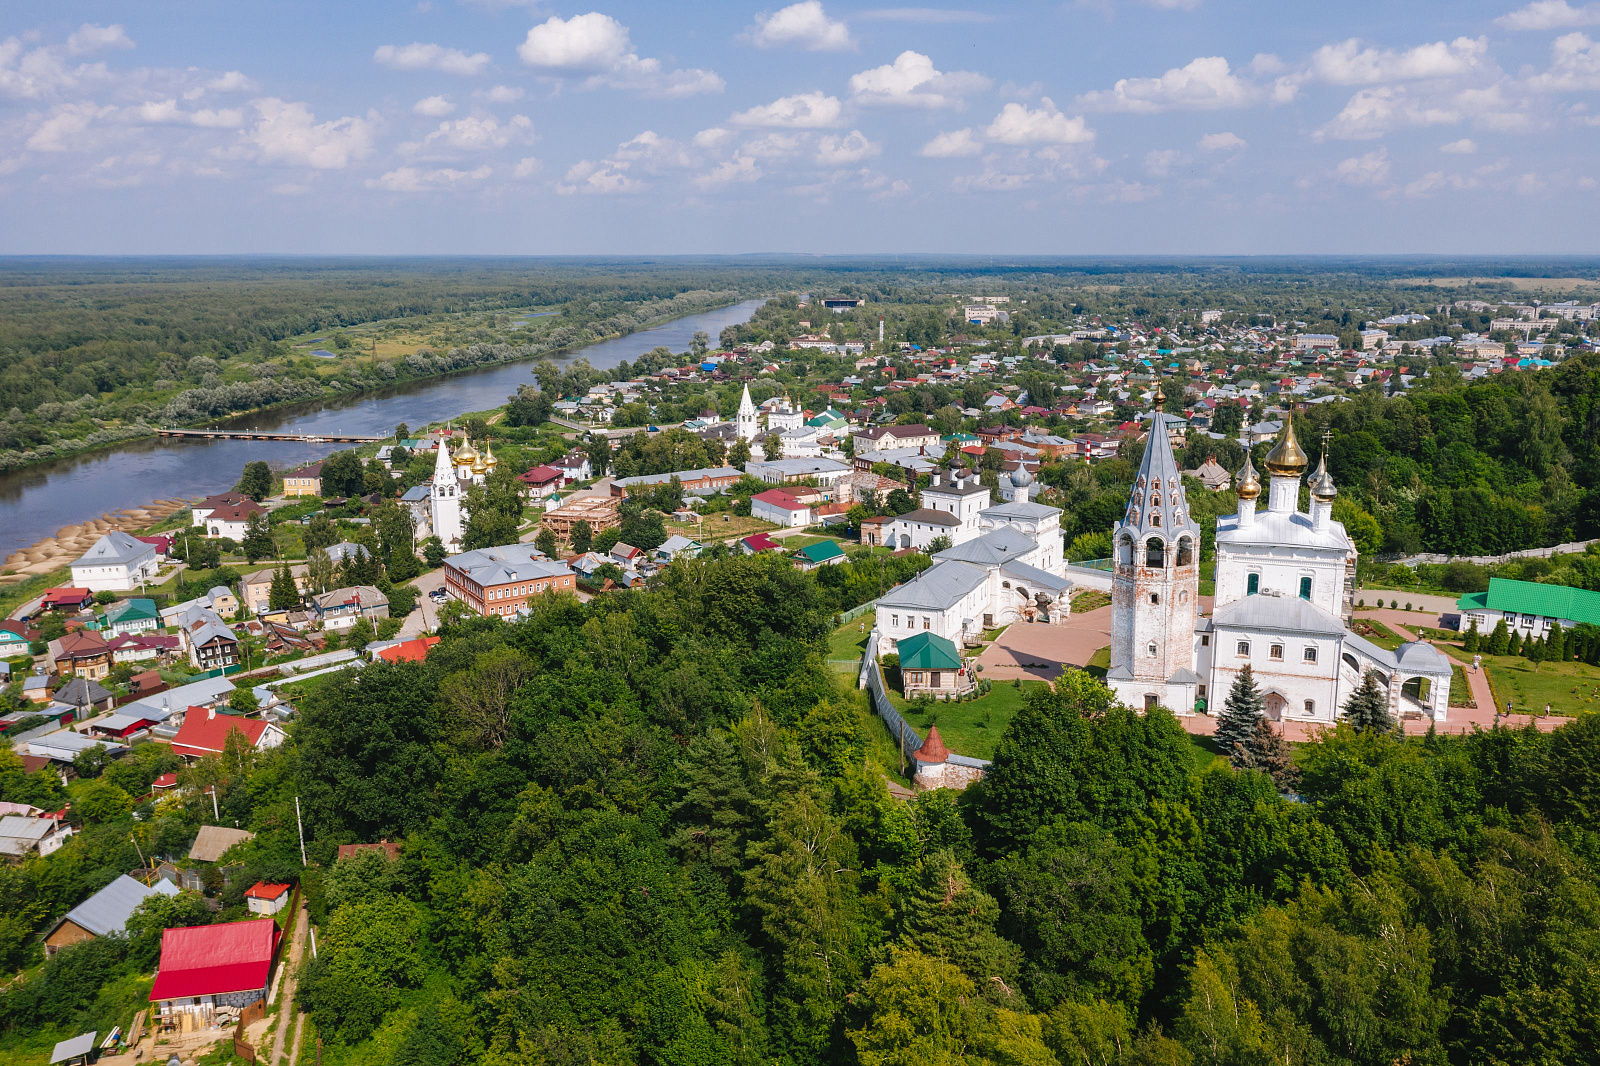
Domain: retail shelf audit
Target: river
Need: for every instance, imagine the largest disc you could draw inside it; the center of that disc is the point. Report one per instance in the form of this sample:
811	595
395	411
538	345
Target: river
38	500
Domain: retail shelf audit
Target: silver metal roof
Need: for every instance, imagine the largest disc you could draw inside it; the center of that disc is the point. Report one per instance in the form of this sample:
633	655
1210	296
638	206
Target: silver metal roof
114	548
108	910
1280	614
937	588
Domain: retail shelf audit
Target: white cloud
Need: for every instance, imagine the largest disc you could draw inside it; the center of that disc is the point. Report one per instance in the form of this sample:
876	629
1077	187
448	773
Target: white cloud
912	81
813	110
419	56
65	128
1574	66
526	167
1550	15
951	145
287	132
607	177
1221	142
711	138
741	168
433	106
92	38
1350	64
1370	169
851	148
502	94
772	146
413	179
1371	113
1017	124
472	133
1204	84
231	82
1172	5
599	46
1160	161
166	112
1465	146
803	25
653	151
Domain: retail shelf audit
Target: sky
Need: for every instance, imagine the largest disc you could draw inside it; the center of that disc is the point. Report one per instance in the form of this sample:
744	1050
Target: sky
527	128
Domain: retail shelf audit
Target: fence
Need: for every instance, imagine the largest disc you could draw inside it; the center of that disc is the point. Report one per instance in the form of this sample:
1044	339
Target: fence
856	612
1571	548
906	738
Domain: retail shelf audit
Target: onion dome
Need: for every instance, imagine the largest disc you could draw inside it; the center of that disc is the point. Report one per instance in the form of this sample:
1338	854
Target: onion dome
1160	397
933	749
489	461
1021	478
466	455
1287	458
1322	487
1249	487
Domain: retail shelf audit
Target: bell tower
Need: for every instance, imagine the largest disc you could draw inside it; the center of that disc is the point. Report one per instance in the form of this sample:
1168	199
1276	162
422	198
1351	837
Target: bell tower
1155	587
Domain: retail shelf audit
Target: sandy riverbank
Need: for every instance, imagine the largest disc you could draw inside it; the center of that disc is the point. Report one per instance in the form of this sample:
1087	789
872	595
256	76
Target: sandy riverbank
70	542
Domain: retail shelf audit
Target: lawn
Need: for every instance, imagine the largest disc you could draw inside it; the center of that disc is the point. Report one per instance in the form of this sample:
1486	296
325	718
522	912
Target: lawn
848	643
1090	600
1569	688
974	727
1099	662
720	526
1460	691
1378	633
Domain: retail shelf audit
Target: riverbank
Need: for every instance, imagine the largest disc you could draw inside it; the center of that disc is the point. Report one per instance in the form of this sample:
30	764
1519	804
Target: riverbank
16	462
70	542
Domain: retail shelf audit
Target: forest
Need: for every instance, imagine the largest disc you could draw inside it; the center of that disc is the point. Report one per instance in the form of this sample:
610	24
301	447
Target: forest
656	829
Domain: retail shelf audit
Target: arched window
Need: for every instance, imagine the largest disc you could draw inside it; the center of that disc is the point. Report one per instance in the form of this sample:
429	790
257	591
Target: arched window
1125	552
1155	518
1155	553
1183	595
1252	584
1311	706
1305	588
1185	551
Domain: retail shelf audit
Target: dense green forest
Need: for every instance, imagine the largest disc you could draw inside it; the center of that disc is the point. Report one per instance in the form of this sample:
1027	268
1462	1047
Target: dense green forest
651	829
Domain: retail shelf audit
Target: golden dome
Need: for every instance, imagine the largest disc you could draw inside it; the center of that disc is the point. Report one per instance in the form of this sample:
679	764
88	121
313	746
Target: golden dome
466	455
1287	458
1249	487
489	460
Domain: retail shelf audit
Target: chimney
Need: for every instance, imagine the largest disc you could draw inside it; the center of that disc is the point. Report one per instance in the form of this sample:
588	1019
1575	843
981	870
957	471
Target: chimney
211	712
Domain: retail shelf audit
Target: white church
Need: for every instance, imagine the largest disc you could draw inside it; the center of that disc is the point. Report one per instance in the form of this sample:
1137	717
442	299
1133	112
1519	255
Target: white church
440	511
1004	564
1283	603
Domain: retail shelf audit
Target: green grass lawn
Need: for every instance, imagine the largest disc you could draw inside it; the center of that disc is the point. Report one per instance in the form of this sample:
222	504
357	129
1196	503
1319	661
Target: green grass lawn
848	643
880	742
1089	600
1460	691
1378	633
1569	688
1099	662
974	727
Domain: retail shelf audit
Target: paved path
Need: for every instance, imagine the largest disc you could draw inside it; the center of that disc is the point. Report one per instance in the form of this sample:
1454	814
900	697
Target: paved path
1038	651
1422	601
1399	621
425	619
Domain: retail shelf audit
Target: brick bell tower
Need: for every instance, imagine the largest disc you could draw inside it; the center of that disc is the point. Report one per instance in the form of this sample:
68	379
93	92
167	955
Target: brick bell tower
1155	588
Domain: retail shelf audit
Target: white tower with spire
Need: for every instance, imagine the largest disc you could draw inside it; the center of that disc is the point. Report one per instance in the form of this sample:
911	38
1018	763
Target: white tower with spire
444	503
1155	588
748	420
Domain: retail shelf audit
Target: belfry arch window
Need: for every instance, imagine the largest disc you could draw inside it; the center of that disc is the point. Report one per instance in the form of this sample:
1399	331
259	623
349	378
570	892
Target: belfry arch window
1125	552
1185	551
1155	553
1155	518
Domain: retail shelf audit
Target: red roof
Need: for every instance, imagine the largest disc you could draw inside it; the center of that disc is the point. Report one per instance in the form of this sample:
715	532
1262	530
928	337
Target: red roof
409	651
388	847
165	781
541	475
266	890
210	960
760	542
933	749
160	543
203	733
65	594
779	498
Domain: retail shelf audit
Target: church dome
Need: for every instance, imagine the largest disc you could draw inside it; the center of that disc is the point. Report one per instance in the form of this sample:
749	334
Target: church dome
1020	477
479	464
466	455
1322	486
489	461
1249	487
1287	458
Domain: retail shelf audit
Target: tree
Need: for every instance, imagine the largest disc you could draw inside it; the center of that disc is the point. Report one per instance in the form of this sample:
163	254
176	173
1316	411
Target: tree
343	474
1514	645
242	700
582	536
256	481
939	544
433	552
546	542
1499	638
1240	712
283	595
1555	644
402	433
319	571
319	533
1267	751
1368	706
258	542
739	454
598	450
1473	638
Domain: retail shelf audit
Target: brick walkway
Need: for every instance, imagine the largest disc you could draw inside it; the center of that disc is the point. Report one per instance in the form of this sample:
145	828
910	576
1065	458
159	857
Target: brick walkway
1037	651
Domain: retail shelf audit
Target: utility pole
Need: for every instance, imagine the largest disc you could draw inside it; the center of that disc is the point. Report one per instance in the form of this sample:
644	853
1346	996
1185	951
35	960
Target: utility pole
215	814
301	829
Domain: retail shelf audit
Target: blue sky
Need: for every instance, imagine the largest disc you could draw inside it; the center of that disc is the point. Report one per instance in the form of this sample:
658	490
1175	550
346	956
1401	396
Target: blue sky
497	127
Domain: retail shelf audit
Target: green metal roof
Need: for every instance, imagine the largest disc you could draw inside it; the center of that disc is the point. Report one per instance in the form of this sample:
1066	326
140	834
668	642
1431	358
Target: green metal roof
929	651
1531	597
822	551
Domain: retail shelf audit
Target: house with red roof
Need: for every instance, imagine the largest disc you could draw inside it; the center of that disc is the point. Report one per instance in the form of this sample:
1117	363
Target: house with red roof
204	732
541	481
780	507
266	897
759	542
66	598
204	967
408	651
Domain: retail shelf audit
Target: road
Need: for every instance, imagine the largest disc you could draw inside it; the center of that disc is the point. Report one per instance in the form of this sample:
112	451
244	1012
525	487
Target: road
291	981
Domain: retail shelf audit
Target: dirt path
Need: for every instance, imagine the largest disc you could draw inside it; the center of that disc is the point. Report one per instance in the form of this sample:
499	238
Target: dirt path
291	981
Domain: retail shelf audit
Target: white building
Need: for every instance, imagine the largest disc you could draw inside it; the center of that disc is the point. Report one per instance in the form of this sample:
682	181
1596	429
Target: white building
116	562
1282	603
445	519
778	506
825	472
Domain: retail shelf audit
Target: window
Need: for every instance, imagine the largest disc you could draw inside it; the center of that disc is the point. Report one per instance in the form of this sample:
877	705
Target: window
1150	649
1205	640
927	623
1309	655
1185	551
1311	706
1155	597
1275	652
1305	588
1252	584
894	621
1243	649
1155	518
1183	595
1155	553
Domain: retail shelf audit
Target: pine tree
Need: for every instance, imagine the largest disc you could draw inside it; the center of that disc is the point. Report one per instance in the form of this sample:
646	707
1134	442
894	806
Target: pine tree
1267	751
1555	644
1469	644
283	595
1243	708
1514	644
1500	639
1533	650
943	914
1368	706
